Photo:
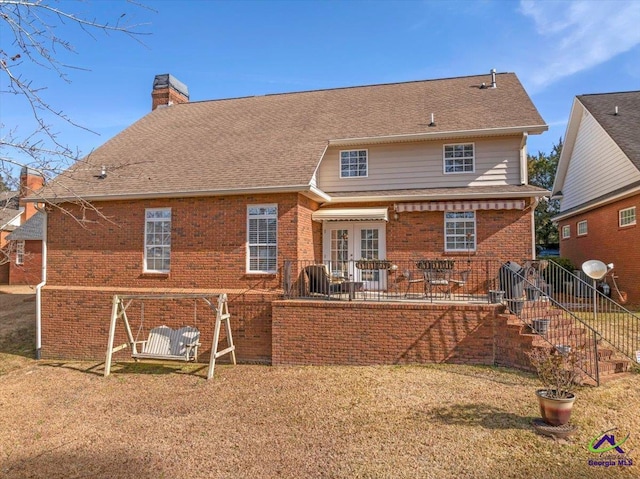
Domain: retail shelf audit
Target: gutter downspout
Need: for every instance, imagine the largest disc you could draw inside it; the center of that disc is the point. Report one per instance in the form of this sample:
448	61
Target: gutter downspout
534	253
524	160
40	285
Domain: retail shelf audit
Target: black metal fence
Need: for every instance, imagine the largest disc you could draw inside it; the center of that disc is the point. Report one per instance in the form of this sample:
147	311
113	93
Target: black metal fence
384	280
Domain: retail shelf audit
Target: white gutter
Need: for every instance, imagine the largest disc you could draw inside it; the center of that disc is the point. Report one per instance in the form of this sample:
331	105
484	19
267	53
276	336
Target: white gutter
524	166
40	285
432	197
535	129
177	194
534	204
611	199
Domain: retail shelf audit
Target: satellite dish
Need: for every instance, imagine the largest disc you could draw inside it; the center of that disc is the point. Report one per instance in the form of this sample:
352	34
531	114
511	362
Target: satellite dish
594	269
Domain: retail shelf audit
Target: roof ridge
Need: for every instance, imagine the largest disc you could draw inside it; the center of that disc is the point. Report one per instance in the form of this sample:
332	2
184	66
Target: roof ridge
372	85
608	93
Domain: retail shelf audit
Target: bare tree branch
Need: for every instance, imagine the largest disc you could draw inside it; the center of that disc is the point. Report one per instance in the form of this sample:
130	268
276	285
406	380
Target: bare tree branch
35	33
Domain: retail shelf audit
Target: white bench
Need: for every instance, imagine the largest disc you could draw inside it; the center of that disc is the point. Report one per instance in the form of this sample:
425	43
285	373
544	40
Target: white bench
166	343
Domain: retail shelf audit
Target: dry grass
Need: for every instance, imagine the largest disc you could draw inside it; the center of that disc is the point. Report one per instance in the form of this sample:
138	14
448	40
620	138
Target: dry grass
64	420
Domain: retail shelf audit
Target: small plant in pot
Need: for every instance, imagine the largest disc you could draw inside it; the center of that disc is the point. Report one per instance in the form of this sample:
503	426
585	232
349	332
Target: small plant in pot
560	376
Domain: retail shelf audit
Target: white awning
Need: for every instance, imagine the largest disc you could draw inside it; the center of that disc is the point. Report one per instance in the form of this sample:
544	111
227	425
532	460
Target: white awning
351	214
461	205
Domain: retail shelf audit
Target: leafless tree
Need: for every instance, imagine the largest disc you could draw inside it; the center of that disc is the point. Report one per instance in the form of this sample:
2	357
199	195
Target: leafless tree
35	38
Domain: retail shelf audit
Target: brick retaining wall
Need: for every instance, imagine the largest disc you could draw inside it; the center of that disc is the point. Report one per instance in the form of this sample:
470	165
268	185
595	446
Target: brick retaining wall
357	333
75	323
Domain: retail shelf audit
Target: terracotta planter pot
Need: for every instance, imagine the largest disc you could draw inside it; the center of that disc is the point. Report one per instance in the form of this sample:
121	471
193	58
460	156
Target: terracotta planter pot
555	412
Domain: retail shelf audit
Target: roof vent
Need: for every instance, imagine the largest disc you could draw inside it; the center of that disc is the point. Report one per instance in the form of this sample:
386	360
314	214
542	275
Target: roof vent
493	78
433	120
616	111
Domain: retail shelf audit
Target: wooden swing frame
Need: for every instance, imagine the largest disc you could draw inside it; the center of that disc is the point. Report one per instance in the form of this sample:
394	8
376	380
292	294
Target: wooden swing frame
217	302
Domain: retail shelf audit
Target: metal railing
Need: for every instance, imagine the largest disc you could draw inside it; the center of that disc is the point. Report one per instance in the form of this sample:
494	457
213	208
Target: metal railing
570	314
436	279
587	300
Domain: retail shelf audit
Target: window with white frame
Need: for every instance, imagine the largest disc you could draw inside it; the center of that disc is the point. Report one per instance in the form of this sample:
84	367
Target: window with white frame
627	216
353	163
459	158
157	240
582	228
459	231
20	252
566	232
262	238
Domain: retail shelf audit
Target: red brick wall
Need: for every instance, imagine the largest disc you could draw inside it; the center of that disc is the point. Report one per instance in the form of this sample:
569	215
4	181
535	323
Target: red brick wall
30	272
4	272
208	251
208	247
502	234
607	242
75	323
326	332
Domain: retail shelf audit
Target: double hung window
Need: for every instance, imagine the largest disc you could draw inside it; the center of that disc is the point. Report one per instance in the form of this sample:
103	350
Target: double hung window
459	158
157	240
459	231
353	163
262	241
627	216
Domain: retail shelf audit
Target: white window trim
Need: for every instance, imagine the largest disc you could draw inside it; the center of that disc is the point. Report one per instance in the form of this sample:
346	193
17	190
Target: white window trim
20	252
586	228
248	248
146	246
444	160
340	163
475	232
635	217
566	231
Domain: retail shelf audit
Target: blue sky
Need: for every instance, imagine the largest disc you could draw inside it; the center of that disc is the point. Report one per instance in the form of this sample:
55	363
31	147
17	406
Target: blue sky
228	49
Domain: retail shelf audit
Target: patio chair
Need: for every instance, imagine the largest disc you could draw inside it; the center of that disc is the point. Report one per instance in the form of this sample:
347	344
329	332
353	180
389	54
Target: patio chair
320	281
412	279
438	278
460	278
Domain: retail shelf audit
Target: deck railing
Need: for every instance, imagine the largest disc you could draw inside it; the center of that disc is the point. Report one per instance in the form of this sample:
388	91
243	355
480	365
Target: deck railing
569	313
437	279
587	300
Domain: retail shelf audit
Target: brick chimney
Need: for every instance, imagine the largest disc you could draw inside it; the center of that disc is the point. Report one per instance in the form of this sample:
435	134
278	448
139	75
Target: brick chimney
168	90
30	181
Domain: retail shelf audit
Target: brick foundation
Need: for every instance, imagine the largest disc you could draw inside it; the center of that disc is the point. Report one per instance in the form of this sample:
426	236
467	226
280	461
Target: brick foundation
75	323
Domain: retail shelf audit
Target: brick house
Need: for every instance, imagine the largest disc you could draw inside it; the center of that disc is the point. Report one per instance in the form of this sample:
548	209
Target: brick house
598	182
220	195
20	262
26	264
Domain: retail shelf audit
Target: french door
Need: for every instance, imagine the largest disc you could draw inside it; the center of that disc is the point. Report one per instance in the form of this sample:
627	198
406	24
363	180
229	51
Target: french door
344	243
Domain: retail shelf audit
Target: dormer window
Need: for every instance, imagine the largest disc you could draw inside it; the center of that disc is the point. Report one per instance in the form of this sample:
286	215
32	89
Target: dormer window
459	158
353	163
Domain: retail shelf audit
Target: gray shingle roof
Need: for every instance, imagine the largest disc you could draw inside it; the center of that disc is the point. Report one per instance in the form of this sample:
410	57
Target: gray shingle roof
623	128
277	141
32	229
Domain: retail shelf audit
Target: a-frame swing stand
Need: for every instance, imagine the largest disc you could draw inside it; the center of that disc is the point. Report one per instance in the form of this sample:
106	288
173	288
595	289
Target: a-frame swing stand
164	343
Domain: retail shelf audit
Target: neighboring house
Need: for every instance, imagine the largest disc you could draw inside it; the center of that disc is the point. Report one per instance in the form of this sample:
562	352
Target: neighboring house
598	182
9	221
218	195
15	211
26	259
